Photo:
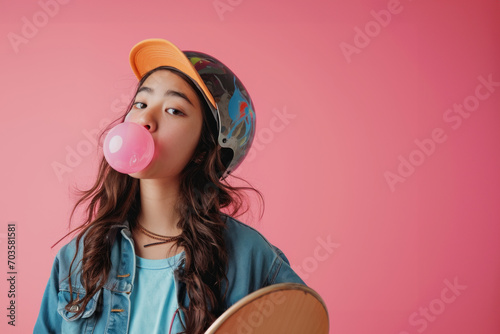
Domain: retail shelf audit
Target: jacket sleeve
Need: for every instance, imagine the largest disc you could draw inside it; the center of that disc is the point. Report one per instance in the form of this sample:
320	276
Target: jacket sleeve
49	321
281	272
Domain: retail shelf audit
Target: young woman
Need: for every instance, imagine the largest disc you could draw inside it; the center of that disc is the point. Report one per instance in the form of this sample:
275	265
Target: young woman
156	253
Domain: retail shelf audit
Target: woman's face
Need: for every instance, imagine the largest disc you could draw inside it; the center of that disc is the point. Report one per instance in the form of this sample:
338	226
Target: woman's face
170	109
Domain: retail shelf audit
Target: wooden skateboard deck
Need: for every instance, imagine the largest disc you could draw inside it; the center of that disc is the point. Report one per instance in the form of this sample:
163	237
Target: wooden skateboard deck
287	308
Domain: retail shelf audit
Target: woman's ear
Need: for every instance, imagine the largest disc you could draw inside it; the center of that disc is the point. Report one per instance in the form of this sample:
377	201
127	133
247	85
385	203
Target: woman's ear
199	158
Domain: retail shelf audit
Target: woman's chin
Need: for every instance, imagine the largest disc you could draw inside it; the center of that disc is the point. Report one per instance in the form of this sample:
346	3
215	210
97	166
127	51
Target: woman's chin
142	173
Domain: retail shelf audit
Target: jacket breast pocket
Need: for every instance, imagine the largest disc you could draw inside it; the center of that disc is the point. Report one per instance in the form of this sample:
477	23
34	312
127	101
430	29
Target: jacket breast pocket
85	321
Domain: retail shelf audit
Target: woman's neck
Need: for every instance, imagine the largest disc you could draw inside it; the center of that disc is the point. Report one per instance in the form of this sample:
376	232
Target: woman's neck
158	198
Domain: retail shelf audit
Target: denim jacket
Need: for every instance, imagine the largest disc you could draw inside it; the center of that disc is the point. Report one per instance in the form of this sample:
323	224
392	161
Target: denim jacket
253	263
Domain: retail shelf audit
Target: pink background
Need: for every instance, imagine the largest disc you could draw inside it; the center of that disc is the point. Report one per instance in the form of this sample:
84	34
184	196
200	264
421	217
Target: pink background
352	118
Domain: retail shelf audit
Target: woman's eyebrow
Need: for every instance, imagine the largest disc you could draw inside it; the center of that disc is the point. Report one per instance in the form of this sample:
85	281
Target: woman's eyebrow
167	93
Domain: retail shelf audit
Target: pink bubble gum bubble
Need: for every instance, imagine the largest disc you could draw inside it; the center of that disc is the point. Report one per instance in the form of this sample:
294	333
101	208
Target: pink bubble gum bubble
128	147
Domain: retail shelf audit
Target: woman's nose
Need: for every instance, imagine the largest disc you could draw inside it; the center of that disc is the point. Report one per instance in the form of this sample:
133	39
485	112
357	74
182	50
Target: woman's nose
147	118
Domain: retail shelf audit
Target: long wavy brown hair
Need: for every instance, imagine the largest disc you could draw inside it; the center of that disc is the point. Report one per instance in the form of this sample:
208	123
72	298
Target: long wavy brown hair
115	197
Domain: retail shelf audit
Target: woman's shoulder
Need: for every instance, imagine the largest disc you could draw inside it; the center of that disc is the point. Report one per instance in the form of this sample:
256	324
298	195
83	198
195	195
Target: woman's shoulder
242	238
67	252
254	262
237	230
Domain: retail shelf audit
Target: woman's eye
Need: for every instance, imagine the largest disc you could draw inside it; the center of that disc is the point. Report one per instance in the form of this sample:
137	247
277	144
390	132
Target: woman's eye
136	103
173	111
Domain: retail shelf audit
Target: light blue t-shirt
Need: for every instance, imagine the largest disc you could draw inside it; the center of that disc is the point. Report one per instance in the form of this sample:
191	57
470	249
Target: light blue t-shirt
153	298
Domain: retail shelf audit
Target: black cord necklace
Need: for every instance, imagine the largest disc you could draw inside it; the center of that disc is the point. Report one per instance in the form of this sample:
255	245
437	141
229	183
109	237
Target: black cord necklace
164	239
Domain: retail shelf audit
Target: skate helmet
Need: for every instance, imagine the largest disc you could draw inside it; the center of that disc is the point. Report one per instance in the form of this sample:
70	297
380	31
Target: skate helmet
228	100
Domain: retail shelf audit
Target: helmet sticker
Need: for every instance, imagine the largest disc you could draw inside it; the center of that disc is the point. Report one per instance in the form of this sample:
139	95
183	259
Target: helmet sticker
241	113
